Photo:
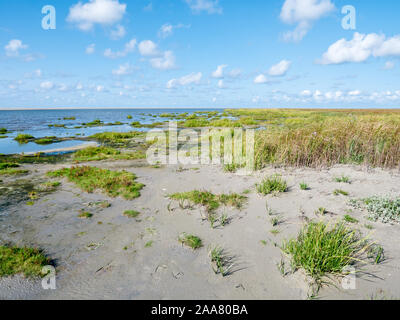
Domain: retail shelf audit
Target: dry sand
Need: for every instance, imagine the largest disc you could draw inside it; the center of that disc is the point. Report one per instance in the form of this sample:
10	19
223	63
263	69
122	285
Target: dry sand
110	260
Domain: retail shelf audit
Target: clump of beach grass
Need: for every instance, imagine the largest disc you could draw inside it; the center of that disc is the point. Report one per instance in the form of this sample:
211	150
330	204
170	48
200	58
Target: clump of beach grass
46	140
342	179
232	168
190	240
149	244
49	186
382	209
275	221
304	186
116	137
209	200
321	249
85	215
27	261
10	169
376	253
131	213
24	138
221	261
273	184
274	231
103	153
338	192
112	183
101	204
322	211
350	219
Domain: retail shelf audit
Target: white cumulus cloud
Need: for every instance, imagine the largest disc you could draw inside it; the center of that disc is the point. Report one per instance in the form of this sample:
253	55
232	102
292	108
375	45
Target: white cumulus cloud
165	62
193	78
129	47
166	30
13	47
360	48
103	12
148	48
260	79
303	13
280	68
123	70
219	72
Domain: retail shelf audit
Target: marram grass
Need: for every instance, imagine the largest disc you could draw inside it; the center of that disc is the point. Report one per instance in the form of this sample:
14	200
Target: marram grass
370	140
273	184
321	249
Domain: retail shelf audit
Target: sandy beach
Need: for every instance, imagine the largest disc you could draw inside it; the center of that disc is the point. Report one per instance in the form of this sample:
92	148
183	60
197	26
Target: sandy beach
106	257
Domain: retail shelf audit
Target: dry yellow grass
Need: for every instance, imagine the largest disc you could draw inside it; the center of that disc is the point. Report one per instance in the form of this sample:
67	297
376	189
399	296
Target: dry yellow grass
314	138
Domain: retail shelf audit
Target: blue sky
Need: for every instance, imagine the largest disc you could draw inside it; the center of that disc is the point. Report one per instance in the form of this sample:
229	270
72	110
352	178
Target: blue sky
199	53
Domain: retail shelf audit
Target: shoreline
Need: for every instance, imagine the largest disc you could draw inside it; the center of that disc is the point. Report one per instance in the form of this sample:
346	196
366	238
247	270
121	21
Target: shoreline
61	150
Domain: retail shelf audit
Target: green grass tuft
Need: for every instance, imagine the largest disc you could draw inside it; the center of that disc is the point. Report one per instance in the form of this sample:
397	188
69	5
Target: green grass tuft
149	244
209	200
273	184
113	183
103	153
131	213
9	169
340	192
116	137
221	262
23	138
46	140
342	179
320	249
190	240
85	215
304	186
28	261
350	219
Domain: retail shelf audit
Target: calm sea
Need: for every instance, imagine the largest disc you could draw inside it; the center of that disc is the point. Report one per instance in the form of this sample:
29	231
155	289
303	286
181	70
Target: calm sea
36	123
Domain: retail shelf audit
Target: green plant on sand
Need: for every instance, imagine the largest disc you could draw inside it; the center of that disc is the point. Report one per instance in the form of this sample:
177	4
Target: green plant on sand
323	250
190	240
273	184
90	179
28	261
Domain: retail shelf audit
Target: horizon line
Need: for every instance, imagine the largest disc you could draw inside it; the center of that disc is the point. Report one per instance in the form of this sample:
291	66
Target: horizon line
194	108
